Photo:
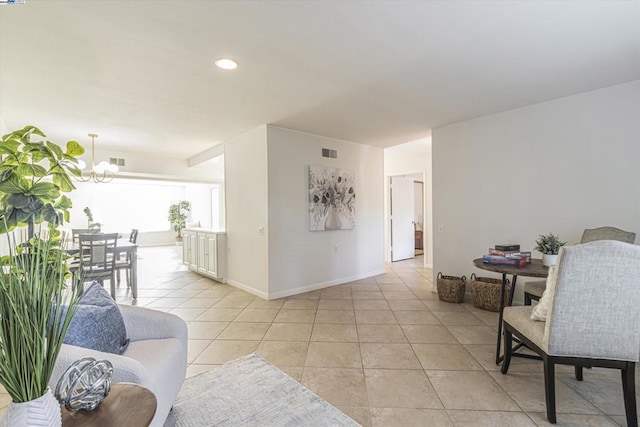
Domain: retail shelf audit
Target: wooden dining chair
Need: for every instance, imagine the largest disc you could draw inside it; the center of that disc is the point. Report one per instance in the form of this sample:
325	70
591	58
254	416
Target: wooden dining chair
76	232
125	264
98	258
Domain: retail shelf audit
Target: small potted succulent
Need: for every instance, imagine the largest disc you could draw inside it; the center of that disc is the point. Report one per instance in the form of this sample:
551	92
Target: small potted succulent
549	245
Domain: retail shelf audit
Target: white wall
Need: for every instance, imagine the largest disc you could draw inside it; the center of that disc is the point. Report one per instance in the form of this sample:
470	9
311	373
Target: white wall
560	166
301	260
149	165
246	204
405	159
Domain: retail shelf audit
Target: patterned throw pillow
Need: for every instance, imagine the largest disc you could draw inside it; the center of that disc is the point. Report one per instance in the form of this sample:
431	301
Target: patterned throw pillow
98	323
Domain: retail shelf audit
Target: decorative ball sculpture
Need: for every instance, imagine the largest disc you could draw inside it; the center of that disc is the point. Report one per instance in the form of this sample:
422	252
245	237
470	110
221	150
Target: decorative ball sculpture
84	384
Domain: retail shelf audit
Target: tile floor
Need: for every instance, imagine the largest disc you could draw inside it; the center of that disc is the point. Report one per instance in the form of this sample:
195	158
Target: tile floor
384	350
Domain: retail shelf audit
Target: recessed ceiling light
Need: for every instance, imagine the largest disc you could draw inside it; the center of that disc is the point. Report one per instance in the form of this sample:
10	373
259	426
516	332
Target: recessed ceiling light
226	64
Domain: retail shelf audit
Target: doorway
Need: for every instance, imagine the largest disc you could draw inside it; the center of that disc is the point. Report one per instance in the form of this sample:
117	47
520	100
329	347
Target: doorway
418	217
406	216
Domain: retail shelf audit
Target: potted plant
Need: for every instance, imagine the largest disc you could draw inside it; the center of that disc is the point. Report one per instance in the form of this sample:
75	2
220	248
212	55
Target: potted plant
33	176
178	215
36	306
549	245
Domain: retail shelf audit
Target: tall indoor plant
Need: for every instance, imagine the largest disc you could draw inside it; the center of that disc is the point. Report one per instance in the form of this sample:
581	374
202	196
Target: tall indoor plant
33	176
36	303
178	215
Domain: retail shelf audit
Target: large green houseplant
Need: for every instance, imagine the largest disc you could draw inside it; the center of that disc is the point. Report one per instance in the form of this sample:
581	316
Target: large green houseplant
36	303
33	176
178	215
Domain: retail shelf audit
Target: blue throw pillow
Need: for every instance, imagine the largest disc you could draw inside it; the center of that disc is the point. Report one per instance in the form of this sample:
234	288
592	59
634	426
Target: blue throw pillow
98	323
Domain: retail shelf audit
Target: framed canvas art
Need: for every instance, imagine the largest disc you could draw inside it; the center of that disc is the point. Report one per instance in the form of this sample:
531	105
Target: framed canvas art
332	199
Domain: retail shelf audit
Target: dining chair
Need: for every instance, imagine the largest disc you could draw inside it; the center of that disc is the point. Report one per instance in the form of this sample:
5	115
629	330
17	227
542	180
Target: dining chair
533	290
76	232
98	258
125	264
592	319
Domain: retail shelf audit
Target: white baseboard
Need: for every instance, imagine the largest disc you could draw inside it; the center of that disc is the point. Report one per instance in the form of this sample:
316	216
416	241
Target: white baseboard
247	288
322	285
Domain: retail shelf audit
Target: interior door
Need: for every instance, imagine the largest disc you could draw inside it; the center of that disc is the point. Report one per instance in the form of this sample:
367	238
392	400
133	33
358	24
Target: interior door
402	230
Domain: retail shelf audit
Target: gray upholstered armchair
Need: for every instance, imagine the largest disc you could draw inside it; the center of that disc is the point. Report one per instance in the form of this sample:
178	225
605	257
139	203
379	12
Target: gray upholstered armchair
592	320
533	290
156	357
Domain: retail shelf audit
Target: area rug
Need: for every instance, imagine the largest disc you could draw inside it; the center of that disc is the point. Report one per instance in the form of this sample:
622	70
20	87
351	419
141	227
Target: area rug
250	392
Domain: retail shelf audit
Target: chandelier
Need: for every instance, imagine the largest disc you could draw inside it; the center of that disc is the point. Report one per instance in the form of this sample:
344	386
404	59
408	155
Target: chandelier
102	172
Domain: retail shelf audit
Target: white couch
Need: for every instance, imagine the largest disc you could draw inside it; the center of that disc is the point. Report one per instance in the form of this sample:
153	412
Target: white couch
156	357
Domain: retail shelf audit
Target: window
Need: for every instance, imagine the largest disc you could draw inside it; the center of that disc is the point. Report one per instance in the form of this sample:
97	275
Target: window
125	204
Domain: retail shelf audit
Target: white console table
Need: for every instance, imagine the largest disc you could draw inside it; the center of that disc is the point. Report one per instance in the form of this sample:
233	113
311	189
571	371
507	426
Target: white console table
205	252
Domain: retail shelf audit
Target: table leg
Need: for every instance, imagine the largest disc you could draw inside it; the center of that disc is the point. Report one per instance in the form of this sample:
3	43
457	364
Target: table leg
513	289
502	291
134	273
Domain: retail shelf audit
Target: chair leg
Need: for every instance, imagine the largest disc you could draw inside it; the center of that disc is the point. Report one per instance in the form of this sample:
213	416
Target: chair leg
508	343
579	376
527	298
629	391
550	388
112	282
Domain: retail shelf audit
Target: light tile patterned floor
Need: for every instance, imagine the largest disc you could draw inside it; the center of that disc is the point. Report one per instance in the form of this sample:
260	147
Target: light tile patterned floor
384	350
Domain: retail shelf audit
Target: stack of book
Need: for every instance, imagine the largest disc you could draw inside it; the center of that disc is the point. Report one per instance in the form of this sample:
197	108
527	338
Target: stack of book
509	255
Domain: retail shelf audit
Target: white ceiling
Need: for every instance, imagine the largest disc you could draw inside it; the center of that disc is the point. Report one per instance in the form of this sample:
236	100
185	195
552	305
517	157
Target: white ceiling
141	74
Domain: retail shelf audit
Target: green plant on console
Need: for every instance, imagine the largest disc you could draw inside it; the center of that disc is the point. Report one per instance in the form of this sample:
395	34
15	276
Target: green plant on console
33	176
178	215
549	244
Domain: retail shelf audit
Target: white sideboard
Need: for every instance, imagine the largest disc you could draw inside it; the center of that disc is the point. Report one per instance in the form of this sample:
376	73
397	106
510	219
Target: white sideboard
205	252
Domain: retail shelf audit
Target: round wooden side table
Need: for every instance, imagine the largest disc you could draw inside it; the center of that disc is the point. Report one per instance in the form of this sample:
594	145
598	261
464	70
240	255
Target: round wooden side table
128	405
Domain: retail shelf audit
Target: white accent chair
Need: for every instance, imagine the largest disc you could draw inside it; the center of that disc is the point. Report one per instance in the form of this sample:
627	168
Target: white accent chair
156	357
533	290
592	319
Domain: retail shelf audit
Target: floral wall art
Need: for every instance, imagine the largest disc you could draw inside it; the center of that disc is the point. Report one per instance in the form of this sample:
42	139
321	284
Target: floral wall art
332	199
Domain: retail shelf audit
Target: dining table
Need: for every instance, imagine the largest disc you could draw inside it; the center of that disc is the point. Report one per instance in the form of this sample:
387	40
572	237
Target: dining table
123	246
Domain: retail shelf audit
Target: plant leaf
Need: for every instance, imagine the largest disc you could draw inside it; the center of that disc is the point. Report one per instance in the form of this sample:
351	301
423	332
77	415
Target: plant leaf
28	169
63	182
13	185
18	200
74	149
55	149
64	203
50	215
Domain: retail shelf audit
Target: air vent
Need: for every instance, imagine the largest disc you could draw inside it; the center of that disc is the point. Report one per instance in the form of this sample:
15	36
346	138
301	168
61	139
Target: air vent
327	152
116	161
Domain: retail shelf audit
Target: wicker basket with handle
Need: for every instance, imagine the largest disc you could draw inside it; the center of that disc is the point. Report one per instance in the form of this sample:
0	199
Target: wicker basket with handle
451	288
485	292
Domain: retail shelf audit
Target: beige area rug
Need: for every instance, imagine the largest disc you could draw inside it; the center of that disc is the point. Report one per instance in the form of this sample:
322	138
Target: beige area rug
251	392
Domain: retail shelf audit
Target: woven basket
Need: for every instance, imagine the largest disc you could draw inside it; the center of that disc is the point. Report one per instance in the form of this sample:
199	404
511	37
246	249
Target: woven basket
485	292
451	288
